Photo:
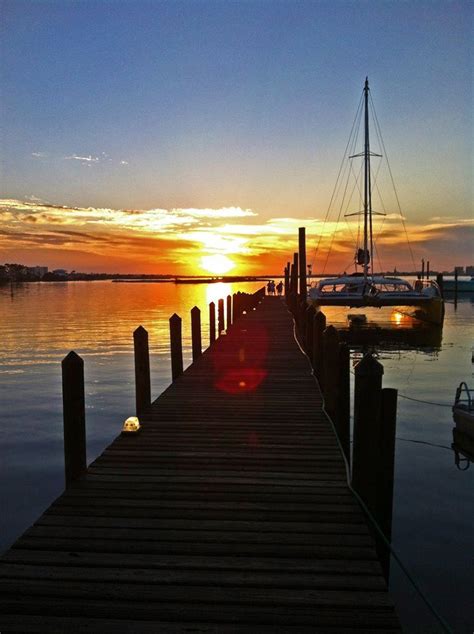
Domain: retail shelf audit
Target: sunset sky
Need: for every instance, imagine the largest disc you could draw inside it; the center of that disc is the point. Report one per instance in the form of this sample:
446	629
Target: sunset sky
154	136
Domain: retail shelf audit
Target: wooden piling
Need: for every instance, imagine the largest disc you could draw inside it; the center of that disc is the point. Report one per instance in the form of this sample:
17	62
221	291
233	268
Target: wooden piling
229	311
220	317
196	332
309	317
176	346
294	285
343	416
439	281
302	261
319	325
74	417
212	322
287	279
386	467
367	409
234	307
142	370
428	270
331	370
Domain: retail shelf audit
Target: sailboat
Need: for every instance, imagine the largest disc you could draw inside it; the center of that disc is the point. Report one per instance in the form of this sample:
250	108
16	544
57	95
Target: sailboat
365	288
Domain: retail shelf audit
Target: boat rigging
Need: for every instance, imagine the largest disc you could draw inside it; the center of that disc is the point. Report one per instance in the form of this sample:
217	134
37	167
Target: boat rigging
367	288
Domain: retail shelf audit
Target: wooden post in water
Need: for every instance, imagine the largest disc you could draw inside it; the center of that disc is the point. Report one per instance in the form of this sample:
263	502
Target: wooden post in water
220	317
439	281
302	261
319	325
295	273
343	416
74	417
422	268
142	370
300	318
212	322
388	426
428	270
176	346
234	307
367	408
196	332
331	370
229	311
309	317
294	285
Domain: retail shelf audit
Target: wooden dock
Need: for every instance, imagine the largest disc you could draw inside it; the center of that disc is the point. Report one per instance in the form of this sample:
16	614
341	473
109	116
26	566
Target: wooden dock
229	512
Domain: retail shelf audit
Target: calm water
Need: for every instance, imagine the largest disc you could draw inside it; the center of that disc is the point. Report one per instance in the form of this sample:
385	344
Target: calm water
433	525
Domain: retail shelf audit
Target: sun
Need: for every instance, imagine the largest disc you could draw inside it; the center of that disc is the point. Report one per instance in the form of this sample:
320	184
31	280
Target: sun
218	264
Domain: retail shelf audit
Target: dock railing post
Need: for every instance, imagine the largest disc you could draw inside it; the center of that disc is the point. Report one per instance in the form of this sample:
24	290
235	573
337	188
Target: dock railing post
308	319
220	317
302	262
74	417
331	371
287	279
343	415
388	426
439	281
176	346
367	409
196	332
229	311
142	370
212	323
319	325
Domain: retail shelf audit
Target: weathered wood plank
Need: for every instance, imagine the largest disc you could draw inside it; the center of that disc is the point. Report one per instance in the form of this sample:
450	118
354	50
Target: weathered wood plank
255	616
127	626
194	577
178	562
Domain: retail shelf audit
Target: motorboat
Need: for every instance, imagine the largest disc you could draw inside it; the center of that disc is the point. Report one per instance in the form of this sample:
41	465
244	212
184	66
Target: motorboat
366	288
463	410
463	432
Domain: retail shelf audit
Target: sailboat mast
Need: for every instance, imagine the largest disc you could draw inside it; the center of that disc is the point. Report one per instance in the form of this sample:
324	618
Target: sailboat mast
367	186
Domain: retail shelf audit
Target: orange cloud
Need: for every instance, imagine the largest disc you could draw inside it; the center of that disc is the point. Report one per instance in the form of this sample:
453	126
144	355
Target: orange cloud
175	240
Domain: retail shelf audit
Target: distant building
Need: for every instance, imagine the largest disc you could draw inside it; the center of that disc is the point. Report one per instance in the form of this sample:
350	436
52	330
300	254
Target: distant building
38	271
60	272
459	270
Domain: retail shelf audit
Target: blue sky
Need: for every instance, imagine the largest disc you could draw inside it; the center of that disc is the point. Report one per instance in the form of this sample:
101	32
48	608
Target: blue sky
232	104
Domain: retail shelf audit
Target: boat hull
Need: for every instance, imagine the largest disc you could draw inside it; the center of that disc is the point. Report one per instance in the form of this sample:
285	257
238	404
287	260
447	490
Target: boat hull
431	309
464	420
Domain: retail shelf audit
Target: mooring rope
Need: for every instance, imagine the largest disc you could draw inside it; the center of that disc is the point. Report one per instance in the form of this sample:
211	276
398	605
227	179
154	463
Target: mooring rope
419	400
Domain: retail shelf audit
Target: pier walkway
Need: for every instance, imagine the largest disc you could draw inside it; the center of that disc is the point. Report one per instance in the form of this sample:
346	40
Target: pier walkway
228	513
